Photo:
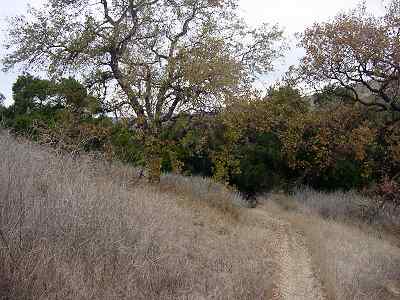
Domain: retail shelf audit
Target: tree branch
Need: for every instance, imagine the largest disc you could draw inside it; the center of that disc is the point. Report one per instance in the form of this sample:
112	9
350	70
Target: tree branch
126	87
107	13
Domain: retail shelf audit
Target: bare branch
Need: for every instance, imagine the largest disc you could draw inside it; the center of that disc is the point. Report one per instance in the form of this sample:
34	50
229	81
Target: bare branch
107	13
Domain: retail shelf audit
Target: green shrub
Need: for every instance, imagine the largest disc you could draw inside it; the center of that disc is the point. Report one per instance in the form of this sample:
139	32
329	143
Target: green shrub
345	175
126	146
261	165
25	124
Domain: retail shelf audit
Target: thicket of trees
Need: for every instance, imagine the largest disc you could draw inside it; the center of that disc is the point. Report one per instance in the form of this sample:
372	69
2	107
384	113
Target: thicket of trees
168	85
156	57
253	144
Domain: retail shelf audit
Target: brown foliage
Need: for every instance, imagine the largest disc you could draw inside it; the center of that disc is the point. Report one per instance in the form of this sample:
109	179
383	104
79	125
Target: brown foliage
388	192
357	51
312	139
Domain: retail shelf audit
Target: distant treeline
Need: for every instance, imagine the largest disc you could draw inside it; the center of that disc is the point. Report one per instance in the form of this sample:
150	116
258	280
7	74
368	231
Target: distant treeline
327	141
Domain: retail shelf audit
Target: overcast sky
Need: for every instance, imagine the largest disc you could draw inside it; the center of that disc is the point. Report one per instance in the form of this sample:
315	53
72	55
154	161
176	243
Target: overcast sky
292	15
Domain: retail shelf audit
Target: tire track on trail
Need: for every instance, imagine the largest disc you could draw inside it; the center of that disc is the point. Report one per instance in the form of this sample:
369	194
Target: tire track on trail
295	278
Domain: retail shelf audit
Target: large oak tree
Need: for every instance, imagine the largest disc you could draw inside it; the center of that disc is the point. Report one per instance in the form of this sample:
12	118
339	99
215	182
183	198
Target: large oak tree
156	57
357	51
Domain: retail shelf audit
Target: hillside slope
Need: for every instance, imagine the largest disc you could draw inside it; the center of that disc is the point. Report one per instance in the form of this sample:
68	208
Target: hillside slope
77	228
81	228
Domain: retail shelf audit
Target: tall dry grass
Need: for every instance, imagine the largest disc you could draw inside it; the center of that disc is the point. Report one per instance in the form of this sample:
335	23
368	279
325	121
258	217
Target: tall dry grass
76	228
355	259
348	207
206	191
80	228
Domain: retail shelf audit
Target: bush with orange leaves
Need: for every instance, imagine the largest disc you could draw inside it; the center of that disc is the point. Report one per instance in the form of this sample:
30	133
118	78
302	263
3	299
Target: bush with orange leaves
334	146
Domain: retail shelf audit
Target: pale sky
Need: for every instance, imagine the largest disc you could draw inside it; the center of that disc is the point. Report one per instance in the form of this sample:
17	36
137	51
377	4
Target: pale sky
292	15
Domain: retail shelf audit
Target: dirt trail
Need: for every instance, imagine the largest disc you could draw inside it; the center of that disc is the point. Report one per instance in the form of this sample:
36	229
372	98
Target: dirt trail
295	278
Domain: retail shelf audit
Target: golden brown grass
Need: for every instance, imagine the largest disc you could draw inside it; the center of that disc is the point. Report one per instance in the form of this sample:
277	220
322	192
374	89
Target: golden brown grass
79	228
204	191
75	228
354	260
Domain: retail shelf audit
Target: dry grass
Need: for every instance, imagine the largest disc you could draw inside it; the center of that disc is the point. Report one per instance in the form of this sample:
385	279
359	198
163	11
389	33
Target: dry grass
78	229
354	260
359	266
206	191
347	207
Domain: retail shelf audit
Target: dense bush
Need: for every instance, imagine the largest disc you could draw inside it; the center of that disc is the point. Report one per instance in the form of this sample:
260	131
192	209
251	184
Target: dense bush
333	145
261	164
254	144
126	145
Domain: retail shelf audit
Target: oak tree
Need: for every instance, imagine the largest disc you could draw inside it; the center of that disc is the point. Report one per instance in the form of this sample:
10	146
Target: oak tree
154	57
357	51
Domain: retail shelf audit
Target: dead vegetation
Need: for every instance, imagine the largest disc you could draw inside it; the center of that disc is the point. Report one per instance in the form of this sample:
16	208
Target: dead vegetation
353	258
77	229
350	207
205	191
81	228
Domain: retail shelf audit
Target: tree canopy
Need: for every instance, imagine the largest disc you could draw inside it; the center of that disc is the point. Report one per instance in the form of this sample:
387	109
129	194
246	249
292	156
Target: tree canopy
357	51
156	57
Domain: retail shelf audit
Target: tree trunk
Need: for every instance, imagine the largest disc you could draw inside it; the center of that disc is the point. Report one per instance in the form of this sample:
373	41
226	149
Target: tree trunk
154	168
153	156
